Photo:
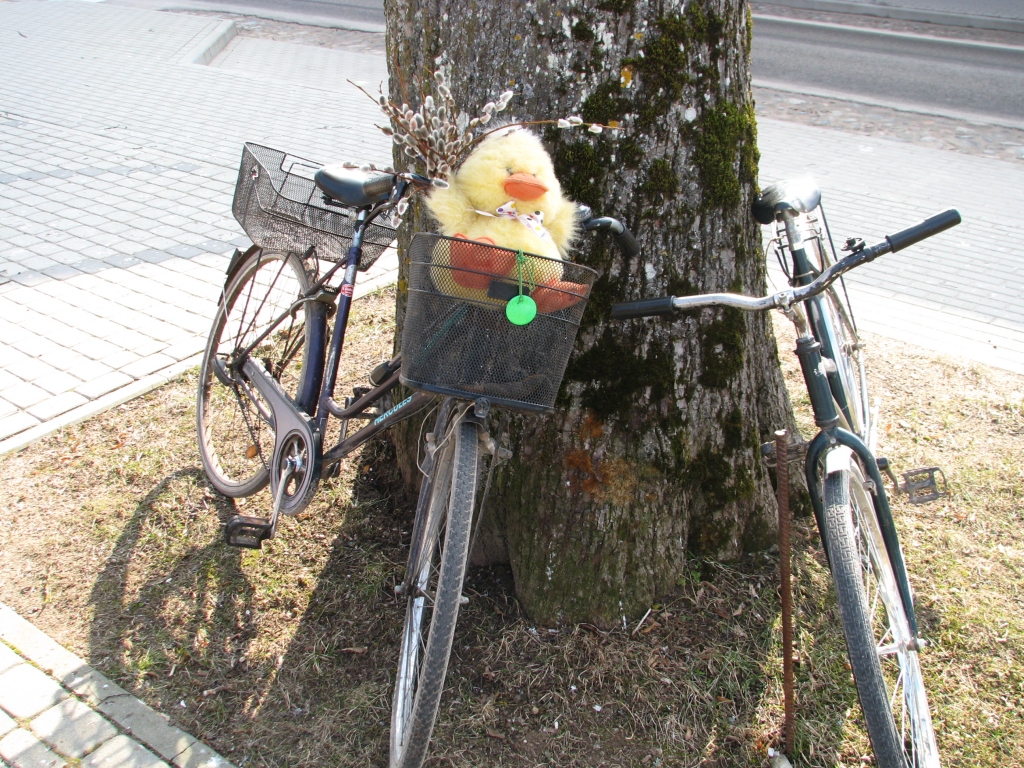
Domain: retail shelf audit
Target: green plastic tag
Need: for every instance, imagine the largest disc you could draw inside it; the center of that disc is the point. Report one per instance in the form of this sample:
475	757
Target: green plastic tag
521	310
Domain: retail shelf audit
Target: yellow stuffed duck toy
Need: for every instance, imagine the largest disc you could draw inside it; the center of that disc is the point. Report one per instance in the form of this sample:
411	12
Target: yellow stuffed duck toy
506	194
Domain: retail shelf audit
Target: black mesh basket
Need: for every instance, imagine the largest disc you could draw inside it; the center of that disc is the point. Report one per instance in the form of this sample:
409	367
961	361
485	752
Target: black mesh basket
281	209
457	338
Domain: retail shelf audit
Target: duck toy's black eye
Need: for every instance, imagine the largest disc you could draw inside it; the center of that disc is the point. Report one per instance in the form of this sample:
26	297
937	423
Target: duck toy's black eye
508	170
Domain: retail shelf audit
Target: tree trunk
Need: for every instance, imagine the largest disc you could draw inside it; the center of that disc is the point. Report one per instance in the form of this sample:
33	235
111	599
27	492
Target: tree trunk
653	453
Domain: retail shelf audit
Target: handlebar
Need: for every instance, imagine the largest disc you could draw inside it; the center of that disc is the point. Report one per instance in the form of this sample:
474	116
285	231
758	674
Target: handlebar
666	305
623	237
930	226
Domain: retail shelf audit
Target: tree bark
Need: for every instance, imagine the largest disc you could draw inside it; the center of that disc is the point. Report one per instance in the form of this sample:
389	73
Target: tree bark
653	454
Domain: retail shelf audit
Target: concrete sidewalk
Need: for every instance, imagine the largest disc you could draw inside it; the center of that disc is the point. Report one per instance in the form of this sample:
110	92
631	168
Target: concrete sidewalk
118	157
55	708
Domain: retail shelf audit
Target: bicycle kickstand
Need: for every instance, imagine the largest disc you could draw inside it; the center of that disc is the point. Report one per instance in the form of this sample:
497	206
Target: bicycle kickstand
250	532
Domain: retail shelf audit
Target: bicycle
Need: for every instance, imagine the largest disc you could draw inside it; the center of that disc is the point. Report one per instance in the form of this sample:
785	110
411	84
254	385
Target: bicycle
267	378
844	476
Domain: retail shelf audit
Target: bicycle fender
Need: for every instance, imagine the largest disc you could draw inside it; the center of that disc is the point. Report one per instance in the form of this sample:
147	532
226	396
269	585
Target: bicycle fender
237	258
839	459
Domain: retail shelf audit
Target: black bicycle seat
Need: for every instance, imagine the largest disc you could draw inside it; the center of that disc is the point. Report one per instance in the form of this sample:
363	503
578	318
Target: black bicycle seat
354	187
800	195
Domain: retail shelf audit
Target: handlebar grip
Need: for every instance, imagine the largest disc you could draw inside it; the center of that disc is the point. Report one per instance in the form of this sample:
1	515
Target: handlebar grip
930	226
645	308
379	185
627	242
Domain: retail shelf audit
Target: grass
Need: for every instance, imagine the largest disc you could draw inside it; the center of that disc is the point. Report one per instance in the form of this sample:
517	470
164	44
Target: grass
111	542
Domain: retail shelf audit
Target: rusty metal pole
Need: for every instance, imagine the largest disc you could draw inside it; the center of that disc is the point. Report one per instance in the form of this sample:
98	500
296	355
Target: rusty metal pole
782	473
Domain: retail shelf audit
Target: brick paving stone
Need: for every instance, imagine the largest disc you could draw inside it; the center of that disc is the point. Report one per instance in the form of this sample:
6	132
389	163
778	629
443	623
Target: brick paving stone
97	349
147	365
23	750
147	725
7	724
8	658
55	406
29	278
199	755
24	395
123	752
57	383
25	691
101	385
18	422
72	728
152	256
120	359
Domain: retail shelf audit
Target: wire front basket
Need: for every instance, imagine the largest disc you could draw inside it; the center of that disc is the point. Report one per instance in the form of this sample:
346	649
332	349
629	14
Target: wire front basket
280	208
461	335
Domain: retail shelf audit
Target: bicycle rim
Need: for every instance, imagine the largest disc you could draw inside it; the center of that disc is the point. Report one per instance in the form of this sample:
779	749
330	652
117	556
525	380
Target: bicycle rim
897	715
434	593
236	437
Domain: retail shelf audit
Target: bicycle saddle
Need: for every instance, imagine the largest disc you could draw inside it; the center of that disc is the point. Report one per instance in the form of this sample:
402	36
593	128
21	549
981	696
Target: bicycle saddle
354	187
798	195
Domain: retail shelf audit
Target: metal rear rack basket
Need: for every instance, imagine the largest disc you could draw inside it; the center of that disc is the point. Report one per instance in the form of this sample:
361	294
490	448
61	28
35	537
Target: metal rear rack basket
457	339
280	208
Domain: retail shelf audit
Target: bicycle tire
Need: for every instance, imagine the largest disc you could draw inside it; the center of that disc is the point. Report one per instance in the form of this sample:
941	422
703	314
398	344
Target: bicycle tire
886	668
446	533
235	442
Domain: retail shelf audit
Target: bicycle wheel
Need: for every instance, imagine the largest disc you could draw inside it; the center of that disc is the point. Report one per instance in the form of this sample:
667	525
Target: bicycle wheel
886	667
236	436
434	591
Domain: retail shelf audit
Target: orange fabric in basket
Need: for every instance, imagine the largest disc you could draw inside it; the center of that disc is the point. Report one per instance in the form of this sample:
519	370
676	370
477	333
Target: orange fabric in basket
481	258
549	297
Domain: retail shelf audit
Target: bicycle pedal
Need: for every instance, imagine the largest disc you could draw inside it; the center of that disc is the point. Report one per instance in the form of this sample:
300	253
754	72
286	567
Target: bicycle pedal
357	392
248	532
922	484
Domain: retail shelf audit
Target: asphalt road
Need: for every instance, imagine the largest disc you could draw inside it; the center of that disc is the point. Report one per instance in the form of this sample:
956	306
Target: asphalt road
951	77
941	76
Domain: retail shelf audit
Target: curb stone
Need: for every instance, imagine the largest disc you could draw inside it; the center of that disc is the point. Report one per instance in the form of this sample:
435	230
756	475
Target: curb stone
206	50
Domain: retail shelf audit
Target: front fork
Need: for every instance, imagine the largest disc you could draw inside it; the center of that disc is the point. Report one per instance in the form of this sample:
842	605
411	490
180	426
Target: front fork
826	417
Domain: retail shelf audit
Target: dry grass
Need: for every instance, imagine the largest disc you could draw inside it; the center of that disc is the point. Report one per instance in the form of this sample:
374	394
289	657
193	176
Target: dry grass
111	543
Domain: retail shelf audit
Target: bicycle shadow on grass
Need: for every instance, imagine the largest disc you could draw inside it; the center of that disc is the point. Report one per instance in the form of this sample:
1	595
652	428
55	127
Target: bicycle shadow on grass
330	695
172	618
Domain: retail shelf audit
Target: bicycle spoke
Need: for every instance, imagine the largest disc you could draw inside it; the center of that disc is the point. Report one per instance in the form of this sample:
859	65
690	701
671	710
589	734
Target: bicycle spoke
266	295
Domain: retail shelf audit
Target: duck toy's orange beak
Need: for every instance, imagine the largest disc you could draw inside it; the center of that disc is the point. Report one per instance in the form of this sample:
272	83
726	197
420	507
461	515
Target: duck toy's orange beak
524	186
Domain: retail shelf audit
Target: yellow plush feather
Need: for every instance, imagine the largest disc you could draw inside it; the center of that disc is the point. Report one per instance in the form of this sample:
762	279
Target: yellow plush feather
477	188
